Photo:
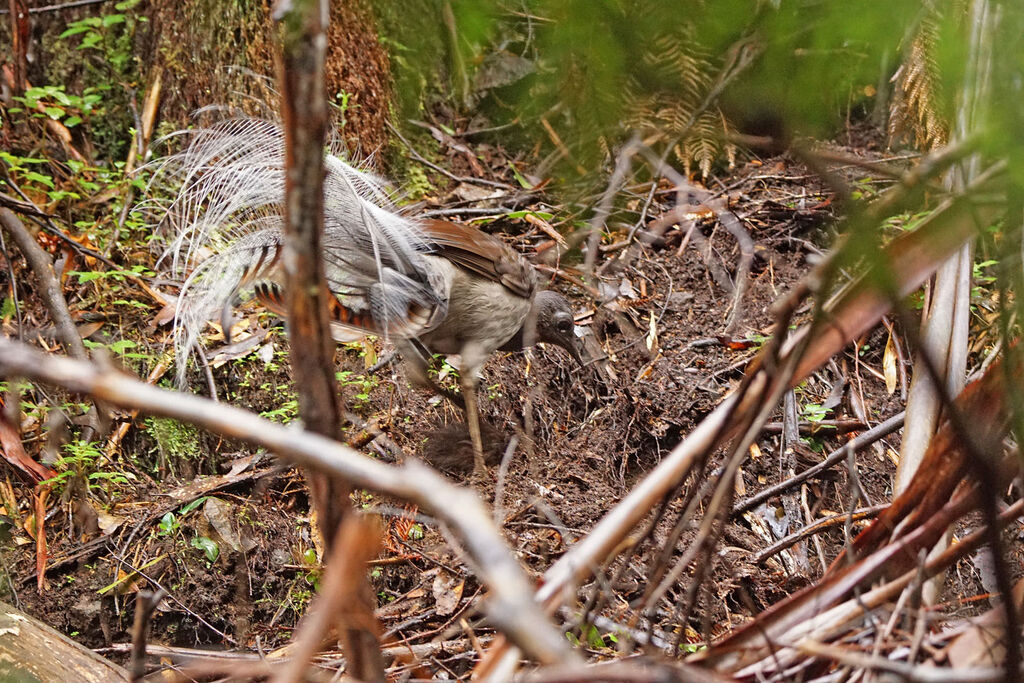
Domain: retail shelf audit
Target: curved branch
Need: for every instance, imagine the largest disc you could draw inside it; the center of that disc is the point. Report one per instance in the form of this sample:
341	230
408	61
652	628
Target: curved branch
511	606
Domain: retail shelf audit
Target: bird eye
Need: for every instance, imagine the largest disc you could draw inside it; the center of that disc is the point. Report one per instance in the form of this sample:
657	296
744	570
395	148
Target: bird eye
564	326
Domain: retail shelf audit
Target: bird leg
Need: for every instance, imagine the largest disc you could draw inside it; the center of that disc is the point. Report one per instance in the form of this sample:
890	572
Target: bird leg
468	382
416	361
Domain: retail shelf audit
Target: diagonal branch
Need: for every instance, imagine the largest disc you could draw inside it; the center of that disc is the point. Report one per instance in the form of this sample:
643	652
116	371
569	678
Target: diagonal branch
49	286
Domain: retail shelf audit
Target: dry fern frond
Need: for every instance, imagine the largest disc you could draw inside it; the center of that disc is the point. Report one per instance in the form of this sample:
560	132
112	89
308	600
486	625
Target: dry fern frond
915	112
682	75
702	145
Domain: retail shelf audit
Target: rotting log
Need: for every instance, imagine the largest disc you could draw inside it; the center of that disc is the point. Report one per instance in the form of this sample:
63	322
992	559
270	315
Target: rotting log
32	651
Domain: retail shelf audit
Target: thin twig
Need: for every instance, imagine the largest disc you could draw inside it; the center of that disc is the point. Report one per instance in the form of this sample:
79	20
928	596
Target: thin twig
623	163
145	603
446	173
53	295
877	432
817	527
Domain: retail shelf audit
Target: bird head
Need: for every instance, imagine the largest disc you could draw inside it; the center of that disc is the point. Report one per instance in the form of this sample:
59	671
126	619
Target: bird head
554	322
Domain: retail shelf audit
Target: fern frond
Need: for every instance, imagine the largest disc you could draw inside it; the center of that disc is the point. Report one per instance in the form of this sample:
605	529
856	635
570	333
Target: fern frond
916	107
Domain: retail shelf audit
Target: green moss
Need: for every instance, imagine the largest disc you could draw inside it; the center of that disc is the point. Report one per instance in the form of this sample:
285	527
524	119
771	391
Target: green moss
175	440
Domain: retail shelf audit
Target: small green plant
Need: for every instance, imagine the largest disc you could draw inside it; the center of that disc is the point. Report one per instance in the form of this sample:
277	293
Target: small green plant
20	169
52	101
80	458
313	571
440	369
814	412
594	638
211	551
116	275
906	222
979	272
590	635
168	525
362	383
108	35
118	348
286	412
342	104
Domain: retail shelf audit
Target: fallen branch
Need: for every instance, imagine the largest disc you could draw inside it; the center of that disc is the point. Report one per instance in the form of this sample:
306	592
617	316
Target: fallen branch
877	432
32	651
510	605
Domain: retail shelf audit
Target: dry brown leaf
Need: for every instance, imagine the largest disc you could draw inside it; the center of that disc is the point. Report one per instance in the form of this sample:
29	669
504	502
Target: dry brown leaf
14	453
447	590
889	365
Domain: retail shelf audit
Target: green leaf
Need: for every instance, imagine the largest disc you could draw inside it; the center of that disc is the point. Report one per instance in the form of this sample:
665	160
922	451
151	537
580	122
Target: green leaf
75	29
90	40
519	177
594	639
168	523
57	195
543	215
208	546
112	19
122	345
194	504
88	276
40	178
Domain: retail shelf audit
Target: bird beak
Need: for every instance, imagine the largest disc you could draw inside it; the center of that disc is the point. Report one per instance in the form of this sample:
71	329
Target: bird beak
573	346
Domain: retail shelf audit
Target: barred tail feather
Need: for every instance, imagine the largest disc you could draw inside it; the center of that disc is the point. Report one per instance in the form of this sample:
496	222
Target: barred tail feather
224	232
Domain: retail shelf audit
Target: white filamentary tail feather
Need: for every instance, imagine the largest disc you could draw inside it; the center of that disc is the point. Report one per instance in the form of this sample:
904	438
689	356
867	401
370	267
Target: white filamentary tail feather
224	229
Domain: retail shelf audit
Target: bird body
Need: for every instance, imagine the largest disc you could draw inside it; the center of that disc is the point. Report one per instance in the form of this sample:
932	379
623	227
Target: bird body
429	286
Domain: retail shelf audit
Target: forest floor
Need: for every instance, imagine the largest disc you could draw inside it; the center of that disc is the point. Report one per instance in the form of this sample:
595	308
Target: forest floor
225	531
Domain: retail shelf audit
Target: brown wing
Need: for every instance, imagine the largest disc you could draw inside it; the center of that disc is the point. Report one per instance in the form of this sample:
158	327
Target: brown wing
482	254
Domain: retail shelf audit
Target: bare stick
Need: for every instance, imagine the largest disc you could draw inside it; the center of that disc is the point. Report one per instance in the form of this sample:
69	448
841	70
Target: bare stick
622	166
342	601
145	603
834	458
53	296
305	114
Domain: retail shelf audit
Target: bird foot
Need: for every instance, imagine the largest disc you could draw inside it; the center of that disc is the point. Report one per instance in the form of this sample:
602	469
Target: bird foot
480	472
